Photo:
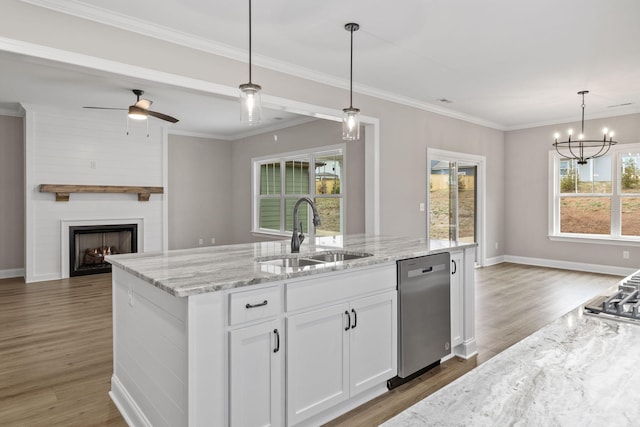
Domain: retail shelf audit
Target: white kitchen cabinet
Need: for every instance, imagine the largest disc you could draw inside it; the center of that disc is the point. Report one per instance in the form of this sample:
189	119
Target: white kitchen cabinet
337	352
255	374
372	352
317	361
457	300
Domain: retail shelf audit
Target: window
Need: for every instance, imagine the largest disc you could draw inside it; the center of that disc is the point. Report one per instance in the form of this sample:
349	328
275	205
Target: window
600	199
281	180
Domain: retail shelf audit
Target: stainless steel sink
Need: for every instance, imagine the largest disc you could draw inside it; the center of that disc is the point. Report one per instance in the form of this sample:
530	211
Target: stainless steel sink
299	261
293	262
335	256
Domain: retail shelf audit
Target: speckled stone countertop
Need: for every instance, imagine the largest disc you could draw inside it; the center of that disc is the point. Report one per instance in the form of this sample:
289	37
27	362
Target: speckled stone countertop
580	370
215	268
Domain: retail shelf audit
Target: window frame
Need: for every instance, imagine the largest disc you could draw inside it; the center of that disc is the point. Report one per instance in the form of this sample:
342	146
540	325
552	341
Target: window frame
615	237
282	158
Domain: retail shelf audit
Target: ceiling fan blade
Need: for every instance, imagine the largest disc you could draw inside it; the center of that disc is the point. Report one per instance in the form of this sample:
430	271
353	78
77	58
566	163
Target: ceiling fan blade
105	108
162	116
144	104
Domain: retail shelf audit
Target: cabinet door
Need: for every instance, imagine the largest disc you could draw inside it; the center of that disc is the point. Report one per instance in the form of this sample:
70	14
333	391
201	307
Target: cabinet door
457	295
373	341
317	361
255	374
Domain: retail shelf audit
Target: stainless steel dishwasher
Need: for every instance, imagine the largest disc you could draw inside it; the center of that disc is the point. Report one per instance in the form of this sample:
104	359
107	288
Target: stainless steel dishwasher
424	315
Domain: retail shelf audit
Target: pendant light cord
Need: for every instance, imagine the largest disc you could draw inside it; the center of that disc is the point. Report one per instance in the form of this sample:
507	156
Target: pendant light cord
249	41
351	73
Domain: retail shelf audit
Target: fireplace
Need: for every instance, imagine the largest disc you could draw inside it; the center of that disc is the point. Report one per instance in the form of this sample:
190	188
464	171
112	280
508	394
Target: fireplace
89	244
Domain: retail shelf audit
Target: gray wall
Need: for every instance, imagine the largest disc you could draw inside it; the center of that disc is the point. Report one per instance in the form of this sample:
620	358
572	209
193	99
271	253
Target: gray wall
11	193
405	132
309	135
527	196
200	189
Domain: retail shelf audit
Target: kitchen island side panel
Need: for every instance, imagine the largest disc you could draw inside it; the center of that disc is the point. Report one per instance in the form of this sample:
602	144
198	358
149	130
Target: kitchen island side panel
150	379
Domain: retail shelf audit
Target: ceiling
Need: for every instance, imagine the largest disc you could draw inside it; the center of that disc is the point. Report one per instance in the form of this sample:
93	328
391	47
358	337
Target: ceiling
503	63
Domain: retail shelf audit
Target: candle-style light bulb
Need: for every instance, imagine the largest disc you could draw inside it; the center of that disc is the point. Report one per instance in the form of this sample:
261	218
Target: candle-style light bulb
570	132
556	136
605	131
581	136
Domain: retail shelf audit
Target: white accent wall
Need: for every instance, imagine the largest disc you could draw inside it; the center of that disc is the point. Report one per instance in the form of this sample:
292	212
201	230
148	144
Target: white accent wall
89	147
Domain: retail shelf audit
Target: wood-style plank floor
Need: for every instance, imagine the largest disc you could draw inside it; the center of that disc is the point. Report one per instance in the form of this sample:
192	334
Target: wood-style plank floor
56	339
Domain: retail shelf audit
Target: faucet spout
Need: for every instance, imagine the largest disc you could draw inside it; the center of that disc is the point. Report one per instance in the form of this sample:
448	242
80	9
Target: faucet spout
296	239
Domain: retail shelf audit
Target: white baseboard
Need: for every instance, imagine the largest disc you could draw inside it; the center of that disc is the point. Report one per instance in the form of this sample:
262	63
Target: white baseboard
125	404
42	278
12	272
568	265
493	261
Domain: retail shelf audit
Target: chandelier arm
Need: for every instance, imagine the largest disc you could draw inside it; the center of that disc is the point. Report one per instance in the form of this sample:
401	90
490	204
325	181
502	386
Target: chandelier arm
572	153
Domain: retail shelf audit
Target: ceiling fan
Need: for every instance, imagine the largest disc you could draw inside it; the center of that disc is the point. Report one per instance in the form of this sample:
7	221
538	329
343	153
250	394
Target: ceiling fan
140	110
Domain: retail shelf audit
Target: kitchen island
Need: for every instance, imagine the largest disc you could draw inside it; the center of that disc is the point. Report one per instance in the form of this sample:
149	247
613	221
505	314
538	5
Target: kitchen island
226	335
580	370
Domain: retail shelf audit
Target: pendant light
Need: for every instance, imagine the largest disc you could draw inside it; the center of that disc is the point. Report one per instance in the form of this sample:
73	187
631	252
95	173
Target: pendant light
583	149
351	116
250	105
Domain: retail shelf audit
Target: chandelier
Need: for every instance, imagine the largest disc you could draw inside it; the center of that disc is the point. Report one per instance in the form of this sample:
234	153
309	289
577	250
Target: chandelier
582	149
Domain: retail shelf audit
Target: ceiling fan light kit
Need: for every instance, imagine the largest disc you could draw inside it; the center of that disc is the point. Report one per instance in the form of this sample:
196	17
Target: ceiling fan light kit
140	111
351	115
582	149
250	103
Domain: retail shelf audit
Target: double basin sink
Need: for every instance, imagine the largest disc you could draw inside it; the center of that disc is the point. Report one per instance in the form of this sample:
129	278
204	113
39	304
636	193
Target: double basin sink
317	259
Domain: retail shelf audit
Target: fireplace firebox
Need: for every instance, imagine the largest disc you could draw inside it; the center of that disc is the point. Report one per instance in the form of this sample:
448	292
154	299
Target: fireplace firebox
89	244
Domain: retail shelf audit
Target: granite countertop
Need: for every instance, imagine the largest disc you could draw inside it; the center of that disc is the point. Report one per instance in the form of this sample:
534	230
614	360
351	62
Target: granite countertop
580	370
215	268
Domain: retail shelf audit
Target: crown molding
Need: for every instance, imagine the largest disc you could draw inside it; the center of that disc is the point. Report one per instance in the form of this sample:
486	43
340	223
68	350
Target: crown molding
179	132
574	119
136	25
12	111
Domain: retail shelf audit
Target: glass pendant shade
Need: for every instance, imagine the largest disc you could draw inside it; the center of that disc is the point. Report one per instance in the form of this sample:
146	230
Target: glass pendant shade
250	104
351	124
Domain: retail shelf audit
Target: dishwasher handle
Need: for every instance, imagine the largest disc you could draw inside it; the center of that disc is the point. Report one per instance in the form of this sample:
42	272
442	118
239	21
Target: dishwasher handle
421	271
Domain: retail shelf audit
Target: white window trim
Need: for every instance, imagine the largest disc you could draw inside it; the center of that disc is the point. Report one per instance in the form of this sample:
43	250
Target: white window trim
554	233
315	151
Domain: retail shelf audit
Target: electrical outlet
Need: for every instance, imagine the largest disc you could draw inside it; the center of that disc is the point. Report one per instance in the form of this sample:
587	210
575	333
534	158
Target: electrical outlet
213	240
130	293
625	254
421	207
201	241
496	245
92	164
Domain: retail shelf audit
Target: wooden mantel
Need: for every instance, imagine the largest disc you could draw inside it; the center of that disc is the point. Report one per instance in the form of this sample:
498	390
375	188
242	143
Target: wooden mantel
63	191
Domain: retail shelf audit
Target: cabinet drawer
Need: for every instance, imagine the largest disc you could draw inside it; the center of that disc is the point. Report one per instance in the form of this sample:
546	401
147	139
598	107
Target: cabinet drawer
254	305
339	287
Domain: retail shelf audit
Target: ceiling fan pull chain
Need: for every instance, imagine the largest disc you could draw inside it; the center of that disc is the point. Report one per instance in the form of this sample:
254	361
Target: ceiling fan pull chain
127	117
147	128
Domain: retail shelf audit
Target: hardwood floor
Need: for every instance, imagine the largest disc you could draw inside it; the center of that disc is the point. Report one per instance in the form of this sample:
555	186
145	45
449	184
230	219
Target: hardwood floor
56	338
55	353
